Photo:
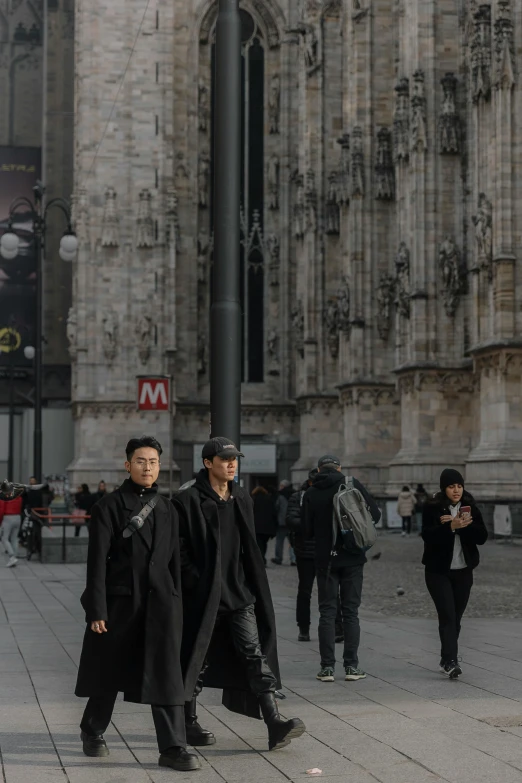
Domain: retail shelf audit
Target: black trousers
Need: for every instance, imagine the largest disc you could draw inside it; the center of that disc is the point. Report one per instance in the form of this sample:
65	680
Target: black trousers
169	721
346	581
262	542
306	574
450	593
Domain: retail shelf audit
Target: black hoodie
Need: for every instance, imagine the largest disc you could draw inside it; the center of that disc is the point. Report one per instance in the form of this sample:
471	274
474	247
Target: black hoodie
318	513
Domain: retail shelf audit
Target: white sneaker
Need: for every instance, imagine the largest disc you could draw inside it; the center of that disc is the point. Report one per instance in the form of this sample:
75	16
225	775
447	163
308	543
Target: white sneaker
12	561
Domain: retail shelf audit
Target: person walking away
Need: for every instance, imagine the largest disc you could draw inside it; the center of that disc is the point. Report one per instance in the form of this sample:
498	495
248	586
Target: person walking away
339	570
405	506
133	609
265	519
285	493
101	492
421	496
83	502
11	519
452	527
229	633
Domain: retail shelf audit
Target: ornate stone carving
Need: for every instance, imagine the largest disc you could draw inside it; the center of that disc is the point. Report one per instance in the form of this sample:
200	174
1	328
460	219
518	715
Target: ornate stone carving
272	245
333	219
297	317
271	26
274	104
419	134
331	325
450	264
343	306
203	252
483	222
385	298
384	169
402	288
504	47
401	121
272	177
144	337
449	124
310	46
110	336
311	201
202	353
172	232
145	223
80	213
110	224
203	180
332	9
72	333
299	216
357	163
272	348
343	179
481	54
203	107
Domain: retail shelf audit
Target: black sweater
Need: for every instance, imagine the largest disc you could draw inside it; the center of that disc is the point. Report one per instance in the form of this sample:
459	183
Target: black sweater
439	539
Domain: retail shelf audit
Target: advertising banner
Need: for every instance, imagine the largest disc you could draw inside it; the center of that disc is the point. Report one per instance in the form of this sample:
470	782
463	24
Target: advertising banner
20	168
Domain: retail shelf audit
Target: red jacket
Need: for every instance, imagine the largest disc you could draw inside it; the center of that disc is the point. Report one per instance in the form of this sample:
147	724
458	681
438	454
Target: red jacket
10	508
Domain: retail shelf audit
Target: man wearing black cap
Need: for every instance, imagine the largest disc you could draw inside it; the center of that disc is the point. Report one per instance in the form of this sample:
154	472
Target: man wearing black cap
229	634
338	570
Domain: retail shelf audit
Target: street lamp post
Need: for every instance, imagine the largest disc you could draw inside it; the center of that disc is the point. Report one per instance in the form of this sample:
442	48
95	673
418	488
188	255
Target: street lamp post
225	314
9	244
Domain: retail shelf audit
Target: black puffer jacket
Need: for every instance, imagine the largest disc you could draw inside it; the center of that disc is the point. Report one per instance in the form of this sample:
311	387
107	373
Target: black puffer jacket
304	548
439	538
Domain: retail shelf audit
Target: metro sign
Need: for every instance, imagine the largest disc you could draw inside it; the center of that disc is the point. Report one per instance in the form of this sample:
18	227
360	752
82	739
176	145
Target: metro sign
153	393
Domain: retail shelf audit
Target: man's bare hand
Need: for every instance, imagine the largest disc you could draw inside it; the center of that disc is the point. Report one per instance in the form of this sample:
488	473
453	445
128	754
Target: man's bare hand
98	626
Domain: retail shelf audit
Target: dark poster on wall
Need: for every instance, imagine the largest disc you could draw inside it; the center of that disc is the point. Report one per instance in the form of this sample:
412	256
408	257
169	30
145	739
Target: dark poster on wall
20	168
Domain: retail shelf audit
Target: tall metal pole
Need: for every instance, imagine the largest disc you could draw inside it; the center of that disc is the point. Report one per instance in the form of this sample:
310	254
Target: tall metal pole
225	313
37	456
10	457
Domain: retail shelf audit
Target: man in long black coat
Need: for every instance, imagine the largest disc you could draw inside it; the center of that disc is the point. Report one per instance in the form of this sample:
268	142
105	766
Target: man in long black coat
134	611
229	633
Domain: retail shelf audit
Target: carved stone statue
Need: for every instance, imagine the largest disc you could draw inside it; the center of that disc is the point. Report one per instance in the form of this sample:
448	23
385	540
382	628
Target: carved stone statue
343	184
72	333
298	326
483	222
110	336
333	219
145	224
504	47
272	347
451	270
272	177
449	125
144	337
311	201
419	133
172	232
272	245
299	208
481	54
357	163
110	224
401	121
343	306
385	294
331	325
402	289
274	104
203	180
203	110
384	169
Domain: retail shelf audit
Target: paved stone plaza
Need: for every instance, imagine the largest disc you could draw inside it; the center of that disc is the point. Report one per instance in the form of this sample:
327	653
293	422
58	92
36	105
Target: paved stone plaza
404	724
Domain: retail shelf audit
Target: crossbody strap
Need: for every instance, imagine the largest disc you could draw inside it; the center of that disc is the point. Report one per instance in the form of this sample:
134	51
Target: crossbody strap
138	521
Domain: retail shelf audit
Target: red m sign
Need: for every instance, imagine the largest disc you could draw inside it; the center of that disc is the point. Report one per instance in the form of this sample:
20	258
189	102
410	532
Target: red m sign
153	393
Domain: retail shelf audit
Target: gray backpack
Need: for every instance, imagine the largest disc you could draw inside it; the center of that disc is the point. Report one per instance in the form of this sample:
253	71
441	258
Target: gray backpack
352	518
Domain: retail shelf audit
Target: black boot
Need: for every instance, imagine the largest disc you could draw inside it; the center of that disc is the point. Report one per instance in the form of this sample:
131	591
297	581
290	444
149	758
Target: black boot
195	734
280	730
304	633
180	759
94	746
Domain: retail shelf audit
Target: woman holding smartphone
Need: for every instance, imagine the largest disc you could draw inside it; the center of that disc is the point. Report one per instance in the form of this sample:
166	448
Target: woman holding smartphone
452	526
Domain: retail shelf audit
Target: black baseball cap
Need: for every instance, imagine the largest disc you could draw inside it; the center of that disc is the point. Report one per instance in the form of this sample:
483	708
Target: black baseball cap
327	459
220	447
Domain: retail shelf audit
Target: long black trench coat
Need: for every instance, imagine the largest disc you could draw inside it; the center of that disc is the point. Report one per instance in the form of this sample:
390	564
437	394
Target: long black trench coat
134	584
201	579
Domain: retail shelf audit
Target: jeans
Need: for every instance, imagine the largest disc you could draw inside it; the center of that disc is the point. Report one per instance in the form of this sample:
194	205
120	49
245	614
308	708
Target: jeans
281	535
418	521
406	524
306	574
450	593
169	721
10	530
348	581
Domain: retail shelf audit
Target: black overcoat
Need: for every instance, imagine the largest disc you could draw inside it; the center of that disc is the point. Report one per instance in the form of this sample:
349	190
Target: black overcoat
134	584
201	580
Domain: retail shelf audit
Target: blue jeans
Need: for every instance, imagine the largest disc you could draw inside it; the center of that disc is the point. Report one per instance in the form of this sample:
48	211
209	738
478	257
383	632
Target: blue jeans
281	535
347	582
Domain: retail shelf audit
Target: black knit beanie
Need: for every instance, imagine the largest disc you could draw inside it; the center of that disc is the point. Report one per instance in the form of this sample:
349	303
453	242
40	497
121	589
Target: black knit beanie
450	476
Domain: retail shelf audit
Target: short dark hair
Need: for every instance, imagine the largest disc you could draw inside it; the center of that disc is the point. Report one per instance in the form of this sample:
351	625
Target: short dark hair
145	442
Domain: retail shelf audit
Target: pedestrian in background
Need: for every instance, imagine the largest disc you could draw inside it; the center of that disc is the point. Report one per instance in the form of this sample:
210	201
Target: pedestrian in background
281	504
421	497
265	518
405	507
83	502
452	526
101	492
11	519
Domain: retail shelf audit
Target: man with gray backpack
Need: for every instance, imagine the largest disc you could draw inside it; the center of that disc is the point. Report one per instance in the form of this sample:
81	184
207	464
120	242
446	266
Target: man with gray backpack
340	515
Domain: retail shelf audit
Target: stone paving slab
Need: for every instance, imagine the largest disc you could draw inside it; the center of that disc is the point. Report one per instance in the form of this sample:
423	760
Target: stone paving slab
404	724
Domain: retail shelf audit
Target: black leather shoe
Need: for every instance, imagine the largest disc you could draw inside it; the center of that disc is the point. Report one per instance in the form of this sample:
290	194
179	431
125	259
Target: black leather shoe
304	635
95	747
280	731
180	759
196	735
